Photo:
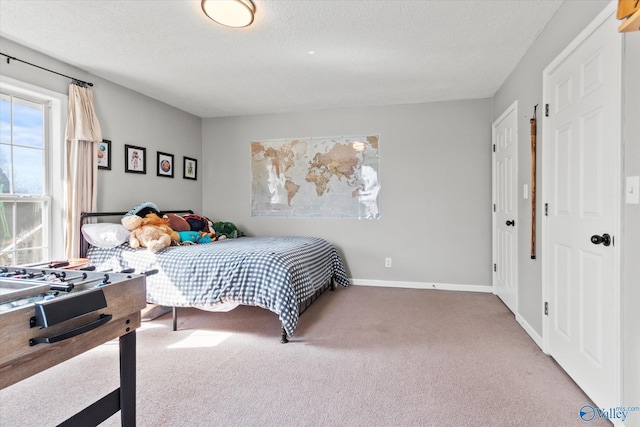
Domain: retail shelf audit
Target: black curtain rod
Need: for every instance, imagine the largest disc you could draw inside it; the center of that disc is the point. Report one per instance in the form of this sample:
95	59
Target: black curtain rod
76	81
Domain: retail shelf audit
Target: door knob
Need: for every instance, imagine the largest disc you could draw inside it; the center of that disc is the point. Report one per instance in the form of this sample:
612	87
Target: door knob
511	222
605	239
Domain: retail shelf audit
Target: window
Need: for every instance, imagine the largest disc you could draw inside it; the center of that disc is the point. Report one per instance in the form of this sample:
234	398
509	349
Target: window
29	161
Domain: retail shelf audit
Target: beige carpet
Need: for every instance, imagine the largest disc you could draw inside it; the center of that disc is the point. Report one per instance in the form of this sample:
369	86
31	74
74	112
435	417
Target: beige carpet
361	356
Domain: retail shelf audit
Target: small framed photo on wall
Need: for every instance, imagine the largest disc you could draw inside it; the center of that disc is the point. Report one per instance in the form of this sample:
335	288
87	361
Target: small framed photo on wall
190	168
104	154
165	164
135	159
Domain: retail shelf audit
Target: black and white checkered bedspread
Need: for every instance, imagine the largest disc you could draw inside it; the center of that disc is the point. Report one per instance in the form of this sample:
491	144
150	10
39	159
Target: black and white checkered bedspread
275	273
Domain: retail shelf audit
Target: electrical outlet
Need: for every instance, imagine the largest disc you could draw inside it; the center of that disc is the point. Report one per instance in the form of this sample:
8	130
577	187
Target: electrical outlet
387	262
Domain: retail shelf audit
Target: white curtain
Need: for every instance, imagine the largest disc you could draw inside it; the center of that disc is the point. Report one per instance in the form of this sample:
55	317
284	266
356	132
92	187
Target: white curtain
82	136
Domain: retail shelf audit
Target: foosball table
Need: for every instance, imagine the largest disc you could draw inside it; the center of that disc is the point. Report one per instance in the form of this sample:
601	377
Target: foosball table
49	315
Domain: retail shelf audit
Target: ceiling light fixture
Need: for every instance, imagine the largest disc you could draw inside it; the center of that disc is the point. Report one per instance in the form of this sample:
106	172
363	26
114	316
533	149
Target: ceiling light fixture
230	13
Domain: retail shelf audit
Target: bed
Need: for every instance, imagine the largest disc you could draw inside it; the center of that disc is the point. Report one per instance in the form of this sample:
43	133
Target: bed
283	274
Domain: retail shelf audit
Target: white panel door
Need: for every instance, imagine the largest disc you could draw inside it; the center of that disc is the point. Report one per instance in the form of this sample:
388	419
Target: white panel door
582	173
505	207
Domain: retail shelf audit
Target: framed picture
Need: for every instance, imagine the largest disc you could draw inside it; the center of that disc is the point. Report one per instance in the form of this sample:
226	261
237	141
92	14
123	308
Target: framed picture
104	154
190	168
135	159
165	164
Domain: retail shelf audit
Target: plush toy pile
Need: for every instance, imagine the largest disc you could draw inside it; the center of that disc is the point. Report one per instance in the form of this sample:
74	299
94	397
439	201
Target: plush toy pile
150	230
199	231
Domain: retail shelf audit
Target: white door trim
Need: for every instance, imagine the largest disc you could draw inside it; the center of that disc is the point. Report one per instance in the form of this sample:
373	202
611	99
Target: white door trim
617	230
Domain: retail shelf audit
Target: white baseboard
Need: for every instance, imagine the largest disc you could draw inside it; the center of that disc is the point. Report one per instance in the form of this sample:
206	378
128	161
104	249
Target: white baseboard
529	330
422	285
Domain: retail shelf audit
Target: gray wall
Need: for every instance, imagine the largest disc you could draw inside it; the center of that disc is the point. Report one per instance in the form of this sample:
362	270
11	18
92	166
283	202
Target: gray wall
126	117
435	173
525	85
129	118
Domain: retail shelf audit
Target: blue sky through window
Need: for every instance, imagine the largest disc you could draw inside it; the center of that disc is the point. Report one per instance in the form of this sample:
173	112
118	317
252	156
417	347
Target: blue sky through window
25	152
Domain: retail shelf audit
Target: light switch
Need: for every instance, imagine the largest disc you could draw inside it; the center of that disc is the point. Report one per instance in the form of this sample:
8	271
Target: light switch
525	191
632	190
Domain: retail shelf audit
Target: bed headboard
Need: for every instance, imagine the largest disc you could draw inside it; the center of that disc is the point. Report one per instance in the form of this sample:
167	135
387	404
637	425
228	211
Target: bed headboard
86	216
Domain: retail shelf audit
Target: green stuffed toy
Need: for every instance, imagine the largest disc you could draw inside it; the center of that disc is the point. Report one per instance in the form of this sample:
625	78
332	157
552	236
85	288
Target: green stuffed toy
226	229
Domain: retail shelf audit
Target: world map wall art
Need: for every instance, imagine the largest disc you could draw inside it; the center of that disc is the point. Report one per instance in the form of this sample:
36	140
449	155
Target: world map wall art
319	177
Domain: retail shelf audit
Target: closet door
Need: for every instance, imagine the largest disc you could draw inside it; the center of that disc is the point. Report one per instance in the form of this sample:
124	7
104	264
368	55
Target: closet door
505	207
582	187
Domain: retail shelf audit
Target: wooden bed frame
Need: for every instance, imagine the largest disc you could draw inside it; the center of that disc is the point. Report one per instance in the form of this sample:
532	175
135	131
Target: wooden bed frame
302	306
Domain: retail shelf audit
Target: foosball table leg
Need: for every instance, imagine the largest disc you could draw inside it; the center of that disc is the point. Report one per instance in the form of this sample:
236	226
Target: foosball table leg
128	379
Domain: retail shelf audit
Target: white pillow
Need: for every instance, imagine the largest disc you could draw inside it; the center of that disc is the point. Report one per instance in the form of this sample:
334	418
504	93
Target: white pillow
105	234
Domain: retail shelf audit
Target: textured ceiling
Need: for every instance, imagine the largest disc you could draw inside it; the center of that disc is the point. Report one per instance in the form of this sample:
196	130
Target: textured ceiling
373	52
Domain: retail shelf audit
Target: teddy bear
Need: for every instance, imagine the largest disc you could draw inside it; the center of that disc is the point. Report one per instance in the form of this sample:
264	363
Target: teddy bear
151	232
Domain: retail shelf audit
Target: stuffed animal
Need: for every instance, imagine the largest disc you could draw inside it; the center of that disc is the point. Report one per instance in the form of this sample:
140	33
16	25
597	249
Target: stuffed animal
176	222
191	237
199	223
227	230
198	230
143	209
151	232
